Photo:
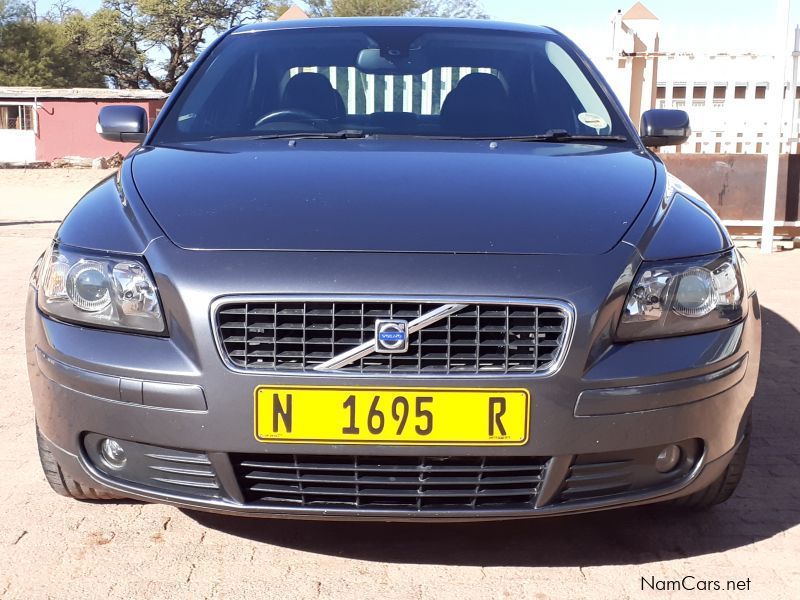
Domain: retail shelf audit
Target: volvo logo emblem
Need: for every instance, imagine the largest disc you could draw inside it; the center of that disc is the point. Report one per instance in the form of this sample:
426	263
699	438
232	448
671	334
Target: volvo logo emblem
391	336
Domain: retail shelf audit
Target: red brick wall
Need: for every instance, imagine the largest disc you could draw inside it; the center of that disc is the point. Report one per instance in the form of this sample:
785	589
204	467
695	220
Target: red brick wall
67	128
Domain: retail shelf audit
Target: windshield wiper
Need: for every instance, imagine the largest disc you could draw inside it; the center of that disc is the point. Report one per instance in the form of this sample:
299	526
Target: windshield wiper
561	135
301	135
554	135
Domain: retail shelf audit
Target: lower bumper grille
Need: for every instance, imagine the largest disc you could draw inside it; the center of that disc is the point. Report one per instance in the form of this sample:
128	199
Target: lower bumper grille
168	470
601	476
406	483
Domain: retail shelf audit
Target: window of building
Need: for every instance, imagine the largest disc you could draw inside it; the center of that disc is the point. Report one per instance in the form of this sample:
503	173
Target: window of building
18	117
699	92
661	92
679	92
761	92
739	92
719	92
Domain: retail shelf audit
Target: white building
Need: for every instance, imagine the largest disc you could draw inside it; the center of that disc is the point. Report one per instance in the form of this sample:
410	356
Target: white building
725	93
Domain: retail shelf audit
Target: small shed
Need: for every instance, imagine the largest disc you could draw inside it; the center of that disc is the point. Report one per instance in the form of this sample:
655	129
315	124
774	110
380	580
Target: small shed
43	124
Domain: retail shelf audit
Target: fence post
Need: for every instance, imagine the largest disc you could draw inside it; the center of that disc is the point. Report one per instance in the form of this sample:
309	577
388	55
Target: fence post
793	93
776	90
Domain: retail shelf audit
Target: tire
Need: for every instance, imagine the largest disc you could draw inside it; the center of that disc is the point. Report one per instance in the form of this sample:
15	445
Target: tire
62	483
724	486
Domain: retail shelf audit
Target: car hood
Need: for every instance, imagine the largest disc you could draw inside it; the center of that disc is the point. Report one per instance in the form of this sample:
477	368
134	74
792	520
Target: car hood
394	195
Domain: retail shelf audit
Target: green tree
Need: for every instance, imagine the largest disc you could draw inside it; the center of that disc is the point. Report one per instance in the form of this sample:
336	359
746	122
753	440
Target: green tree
124	36
40	52
360	8
397	8
456	9
60	11
6	12
152	43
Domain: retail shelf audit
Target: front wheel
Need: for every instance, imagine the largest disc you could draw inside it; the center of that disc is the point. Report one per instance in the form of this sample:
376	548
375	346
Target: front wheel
724	486
62	483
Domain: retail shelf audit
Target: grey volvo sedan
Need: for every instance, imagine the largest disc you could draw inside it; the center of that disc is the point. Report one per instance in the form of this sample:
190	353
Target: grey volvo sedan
393	269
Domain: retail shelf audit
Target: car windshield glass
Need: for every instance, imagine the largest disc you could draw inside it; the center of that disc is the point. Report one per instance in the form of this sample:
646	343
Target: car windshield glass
398	80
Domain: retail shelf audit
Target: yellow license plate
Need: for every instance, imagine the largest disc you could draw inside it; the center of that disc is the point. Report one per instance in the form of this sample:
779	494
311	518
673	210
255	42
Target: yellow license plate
392	415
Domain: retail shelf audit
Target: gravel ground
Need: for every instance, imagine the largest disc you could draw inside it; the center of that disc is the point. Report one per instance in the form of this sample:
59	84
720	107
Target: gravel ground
52	547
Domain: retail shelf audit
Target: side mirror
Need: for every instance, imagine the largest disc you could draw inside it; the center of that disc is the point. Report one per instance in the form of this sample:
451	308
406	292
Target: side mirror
122	123
664	127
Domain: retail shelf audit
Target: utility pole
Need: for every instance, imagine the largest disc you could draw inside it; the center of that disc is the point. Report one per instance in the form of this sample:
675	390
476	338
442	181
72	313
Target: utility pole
775	120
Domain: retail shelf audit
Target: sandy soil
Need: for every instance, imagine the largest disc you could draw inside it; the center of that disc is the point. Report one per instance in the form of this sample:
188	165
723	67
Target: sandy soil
53	547
44	194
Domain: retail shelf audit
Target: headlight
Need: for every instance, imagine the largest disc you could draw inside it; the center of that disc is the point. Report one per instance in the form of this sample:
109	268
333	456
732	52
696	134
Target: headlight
682	297
116	292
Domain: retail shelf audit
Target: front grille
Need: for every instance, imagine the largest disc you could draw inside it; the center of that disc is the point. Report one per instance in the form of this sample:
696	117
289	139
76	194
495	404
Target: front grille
374	482
480	338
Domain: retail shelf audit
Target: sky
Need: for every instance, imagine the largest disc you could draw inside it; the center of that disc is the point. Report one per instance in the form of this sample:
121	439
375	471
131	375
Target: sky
696	25
686	25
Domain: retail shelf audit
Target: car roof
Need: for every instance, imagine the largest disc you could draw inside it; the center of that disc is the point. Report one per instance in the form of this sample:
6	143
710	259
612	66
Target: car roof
481	24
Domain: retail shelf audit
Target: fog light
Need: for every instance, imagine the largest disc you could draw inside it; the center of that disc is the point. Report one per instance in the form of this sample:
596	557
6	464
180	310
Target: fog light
113	453
668	459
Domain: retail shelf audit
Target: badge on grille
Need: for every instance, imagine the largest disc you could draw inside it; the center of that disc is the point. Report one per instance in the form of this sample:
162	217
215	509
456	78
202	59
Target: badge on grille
391	336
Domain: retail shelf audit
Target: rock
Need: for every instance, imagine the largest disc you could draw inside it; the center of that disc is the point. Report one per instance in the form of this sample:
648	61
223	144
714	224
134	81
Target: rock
99	163
72	161
115	160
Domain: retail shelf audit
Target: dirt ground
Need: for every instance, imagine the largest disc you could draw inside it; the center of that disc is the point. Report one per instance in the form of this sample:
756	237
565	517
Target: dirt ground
52	547
43	194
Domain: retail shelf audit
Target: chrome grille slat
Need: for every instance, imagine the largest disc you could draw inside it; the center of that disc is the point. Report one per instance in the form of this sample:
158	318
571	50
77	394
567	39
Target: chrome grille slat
486	337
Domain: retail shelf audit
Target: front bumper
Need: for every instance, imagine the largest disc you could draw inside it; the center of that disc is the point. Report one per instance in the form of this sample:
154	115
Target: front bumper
635	399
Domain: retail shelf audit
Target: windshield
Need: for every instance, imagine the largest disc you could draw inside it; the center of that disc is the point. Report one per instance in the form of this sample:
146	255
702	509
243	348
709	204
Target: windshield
415	81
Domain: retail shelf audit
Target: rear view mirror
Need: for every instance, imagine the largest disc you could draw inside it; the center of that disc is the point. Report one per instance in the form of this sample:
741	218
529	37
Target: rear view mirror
370	61
122	123
664	127
376	61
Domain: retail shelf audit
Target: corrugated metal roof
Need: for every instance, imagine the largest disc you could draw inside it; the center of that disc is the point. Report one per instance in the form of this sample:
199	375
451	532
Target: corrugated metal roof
79	93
